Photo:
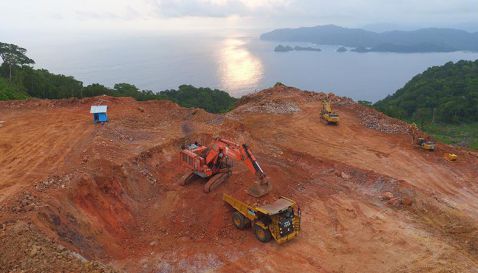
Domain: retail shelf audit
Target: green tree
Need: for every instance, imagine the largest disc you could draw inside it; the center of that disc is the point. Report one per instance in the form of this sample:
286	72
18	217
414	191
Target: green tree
212	100
13	55
96	89
126	90
10	92
365	102
443	94
40	83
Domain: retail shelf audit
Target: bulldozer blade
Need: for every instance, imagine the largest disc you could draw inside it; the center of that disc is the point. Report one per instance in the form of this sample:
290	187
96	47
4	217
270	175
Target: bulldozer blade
215	181
259	189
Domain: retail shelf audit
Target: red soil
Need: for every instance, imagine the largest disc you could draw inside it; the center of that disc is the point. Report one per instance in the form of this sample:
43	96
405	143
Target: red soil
106	197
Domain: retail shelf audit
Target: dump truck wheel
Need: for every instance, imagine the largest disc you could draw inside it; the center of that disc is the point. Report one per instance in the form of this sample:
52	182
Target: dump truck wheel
239	220
263	235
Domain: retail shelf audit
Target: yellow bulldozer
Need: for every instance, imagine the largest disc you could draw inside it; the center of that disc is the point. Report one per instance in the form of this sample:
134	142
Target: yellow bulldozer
328	114
450	157
279	220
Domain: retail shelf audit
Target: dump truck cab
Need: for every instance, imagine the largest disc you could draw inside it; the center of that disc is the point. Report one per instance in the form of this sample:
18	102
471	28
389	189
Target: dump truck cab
279	220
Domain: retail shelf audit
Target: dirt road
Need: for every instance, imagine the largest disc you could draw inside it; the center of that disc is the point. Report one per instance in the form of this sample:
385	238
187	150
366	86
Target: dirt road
106	197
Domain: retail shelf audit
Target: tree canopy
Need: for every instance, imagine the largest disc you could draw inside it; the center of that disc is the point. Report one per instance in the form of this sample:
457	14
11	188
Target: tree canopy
40	83
212	100
13	55
446	94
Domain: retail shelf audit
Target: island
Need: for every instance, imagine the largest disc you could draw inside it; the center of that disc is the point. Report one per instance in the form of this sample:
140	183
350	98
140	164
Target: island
281	48
417	41
342	49
301	48
286	48
361	49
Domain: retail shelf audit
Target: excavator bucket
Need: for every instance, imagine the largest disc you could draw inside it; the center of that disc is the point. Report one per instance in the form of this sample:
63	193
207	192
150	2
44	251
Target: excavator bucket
260	189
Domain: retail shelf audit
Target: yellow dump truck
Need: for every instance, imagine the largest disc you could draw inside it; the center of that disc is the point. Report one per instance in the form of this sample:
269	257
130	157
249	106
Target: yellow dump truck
328	114
279	220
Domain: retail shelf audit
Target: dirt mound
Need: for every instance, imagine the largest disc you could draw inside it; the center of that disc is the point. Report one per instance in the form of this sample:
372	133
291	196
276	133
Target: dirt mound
263	102
81	197
32	252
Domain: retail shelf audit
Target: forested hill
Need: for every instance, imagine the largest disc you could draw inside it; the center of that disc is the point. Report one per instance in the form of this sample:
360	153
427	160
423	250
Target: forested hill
422	40
18	80
447	94
443	101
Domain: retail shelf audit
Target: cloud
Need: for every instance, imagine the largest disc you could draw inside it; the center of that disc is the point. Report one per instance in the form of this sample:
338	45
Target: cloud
166	14
217	8
312	12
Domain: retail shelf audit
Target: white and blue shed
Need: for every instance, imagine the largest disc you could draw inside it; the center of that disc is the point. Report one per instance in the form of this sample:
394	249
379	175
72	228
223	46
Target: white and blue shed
99	113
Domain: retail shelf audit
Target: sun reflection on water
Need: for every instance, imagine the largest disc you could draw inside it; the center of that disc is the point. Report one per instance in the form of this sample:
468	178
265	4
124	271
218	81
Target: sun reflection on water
240	70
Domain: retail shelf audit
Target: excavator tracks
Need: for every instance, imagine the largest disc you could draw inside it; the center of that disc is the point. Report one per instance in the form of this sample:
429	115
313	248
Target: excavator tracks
186	179
215	181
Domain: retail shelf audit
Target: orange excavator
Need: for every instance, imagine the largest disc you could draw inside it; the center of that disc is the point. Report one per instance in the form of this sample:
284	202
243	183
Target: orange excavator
214	163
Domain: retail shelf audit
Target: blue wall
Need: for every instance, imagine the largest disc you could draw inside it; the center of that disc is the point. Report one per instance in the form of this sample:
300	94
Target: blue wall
100	117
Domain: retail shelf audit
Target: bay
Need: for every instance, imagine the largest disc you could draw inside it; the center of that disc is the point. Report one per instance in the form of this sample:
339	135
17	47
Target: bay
235	62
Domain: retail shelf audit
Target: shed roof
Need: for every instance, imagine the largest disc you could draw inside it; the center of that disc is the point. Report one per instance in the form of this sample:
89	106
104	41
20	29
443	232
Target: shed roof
98	109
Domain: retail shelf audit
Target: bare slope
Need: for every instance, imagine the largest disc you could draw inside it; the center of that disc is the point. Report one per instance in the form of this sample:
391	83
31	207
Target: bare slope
109	193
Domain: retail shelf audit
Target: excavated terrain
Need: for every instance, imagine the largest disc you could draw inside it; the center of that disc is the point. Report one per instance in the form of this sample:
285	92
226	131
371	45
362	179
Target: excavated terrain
79	197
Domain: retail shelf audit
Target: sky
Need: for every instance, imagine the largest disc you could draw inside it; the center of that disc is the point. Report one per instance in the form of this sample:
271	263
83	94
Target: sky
22	16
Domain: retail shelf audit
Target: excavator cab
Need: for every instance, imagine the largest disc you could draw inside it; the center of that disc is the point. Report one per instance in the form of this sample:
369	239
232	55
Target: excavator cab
328	114
426	144
419	140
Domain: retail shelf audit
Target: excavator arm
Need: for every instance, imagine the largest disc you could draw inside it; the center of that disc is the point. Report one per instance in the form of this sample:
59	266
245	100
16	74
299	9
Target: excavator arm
327	106
251	162
244	154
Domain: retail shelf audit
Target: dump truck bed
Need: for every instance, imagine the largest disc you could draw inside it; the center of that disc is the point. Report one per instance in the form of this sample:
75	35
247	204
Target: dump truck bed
240	206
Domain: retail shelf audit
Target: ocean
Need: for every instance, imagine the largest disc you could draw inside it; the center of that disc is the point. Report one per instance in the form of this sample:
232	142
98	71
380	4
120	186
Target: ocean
235	62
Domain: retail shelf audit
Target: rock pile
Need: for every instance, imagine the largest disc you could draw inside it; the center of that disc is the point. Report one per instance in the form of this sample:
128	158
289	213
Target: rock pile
274	108
26	203
54	181
332	98
378	121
